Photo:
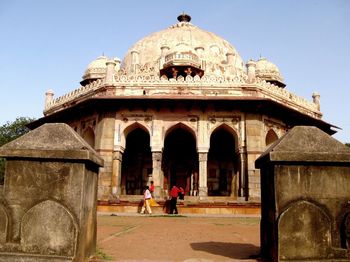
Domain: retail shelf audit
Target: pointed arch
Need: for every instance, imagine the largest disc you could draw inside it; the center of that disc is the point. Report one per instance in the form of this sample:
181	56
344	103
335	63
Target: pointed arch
137	159
229	129
271	137
128	129
183	126
89	136
223	162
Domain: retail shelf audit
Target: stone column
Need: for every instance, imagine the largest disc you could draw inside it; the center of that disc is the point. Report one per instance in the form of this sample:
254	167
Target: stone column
135	60
157	173
116	173
316	99
110	71
48	97
251	65
242	191
203	187
117	64
243	171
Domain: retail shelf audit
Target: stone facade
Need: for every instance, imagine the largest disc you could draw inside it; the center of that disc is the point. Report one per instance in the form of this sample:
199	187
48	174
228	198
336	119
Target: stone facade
187	85
48	203
305	180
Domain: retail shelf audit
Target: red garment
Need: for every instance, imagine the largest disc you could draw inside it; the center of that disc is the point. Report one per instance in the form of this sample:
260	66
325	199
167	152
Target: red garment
151	188
175	191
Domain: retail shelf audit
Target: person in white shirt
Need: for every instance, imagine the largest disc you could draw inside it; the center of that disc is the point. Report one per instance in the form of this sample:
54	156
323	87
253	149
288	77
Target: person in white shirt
146	197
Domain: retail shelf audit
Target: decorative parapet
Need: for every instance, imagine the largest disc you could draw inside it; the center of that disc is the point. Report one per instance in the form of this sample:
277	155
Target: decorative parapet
287	96
77	93
208	85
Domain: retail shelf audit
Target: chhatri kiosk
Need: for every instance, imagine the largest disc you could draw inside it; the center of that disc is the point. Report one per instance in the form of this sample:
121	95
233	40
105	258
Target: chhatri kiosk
182	108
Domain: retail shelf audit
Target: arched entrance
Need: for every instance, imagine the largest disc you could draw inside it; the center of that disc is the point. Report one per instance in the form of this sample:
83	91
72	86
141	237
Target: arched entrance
180	159
137	162
222	164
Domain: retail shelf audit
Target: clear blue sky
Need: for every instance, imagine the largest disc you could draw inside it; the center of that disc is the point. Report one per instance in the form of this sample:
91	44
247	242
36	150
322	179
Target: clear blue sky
48	44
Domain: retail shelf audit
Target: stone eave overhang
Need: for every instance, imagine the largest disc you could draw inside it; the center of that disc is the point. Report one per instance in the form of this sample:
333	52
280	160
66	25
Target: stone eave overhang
206	90
250	104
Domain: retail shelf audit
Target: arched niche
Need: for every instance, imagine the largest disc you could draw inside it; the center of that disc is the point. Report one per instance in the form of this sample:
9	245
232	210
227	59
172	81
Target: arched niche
271	137
180	158
49	228
223	162
304	232
89	136
137	160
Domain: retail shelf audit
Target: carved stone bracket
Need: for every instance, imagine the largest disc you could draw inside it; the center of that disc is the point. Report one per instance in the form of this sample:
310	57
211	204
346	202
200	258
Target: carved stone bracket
157	156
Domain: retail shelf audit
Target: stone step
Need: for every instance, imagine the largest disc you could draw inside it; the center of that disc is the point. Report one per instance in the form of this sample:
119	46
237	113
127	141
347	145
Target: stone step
184	207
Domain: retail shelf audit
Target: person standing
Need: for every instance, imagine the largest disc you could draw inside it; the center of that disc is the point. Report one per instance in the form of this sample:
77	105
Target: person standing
181	193
151	189
146	201
174	193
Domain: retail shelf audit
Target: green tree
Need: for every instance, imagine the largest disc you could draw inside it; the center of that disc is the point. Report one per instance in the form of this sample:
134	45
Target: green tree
347	144
10	131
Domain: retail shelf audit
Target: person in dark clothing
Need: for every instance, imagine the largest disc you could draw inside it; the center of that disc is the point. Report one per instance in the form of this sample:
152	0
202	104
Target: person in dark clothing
181	193
174	193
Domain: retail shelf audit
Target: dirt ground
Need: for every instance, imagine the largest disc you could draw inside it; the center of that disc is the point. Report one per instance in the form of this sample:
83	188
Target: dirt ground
177	238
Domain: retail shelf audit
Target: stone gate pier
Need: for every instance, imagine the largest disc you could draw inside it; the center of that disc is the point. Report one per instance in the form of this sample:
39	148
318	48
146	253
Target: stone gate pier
48	203
305	198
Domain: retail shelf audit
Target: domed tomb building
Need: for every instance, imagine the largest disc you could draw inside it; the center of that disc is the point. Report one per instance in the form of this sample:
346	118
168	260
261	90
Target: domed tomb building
182	108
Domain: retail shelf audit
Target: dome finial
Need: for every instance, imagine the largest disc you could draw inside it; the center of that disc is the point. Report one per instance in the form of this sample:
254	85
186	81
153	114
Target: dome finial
184	17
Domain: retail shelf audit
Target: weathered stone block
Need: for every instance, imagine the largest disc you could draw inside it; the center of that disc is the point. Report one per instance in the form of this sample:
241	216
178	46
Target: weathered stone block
305	181
50	194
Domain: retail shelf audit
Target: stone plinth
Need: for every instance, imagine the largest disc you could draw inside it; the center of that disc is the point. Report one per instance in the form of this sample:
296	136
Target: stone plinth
48	205
305	198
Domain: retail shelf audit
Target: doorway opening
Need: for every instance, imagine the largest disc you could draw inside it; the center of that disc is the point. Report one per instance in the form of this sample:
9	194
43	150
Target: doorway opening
180	160
222	164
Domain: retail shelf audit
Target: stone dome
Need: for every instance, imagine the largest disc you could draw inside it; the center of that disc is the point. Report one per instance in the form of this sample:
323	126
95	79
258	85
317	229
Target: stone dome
269	72
209	53
96	69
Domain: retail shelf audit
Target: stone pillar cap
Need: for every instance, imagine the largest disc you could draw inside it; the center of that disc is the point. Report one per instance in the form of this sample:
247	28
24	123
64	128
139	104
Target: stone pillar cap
51	141
306	144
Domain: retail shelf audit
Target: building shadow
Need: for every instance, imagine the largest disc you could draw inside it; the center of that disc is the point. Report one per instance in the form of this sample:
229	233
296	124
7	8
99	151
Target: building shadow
230	250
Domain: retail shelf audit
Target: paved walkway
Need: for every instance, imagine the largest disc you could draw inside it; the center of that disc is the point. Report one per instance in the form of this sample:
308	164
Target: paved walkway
190	238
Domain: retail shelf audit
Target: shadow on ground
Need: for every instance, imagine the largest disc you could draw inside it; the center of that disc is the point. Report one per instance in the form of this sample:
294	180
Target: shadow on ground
231	250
